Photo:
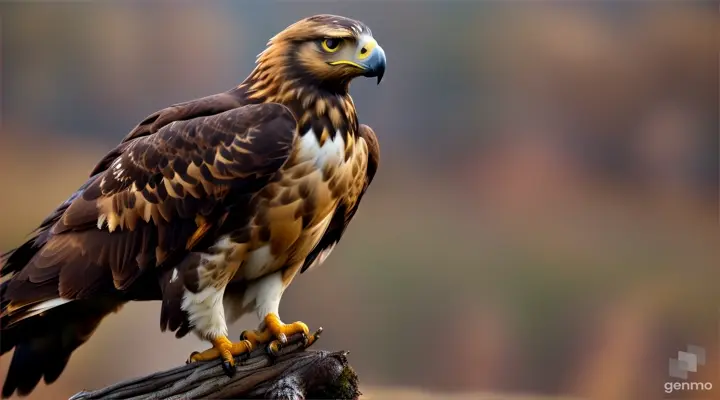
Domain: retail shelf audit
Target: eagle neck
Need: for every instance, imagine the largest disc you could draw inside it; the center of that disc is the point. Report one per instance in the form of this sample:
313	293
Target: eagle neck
325	112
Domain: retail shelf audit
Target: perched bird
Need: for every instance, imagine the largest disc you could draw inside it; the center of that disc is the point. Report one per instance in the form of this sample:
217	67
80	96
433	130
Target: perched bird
212	206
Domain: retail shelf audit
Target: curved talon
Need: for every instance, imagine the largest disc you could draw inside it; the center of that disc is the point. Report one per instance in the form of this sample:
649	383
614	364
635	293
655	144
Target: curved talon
229	368
274	347
190	357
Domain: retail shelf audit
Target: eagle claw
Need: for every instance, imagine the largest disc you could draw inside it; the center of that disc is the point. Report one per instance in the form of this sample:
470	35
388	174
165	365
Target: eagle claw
275	334
229	368
226	351
256	337
273	348
190	358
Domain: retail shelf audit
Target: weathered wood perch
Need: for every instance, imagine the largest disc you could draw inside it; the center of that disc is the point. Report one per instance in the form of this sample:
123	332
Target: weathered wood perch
295	373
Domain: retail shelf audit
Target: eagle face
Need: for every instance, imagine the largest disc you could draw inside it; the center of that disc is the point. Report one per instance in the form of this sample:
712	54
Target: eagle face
329	51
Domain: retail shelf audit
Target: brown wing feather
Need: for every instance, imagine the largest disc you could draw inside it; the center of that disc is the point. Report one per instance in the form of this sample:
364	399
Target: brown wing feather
346	210
155	196
153	203
205	106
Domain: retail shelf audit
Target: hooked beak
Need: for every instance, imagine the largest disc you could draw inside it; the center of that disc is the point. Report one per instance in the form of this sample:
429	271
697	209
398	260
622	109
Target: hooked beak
375	64
369	58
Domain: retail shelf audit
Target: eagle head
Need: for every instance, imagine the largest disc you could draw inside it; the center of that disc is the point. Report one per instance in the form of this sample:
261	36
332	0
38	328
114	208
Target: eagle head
326	50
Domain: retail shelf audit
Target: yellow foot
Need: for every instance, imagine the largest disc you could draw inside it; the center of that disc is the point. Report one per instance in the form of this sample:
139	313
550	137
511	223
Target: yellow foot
276	333
225	350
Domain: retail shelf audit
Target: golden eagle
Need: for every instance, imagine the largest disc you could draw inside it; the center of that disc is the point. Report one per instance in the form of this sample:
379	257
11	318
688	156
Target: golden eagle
212	206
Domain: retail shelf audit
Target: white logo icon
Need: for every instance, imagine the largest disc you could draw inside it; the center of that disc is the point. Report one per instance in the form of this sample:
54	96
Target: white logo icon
687	361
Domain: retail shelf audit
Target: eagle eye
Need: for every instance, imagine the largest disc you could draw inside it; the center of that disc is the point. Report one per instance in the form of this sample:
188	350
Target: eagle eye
331	45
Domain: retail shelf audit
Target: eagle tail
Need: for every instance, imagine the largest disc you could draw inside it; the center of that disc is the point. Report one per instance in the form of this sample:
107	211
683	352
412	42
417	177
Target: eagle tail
43	343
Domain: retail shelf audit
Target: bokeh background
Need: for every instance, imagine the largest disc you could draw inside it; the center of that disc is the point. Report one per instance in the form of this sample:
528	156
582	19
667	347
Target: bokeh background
544	221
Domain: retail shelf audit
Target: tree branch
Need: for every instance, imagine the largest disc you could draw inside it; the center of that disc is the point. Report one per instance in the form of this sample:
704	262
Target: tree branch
294	374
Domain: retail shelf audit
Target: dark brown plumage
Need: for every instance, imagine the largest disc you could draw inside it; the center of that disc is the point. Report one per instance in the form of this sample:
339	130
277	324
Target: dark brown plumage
238	190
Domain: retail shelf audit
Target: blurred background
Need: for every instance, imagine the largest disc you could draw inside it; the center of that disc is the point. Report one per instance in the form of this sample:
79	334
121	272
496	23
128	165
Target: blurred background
544	221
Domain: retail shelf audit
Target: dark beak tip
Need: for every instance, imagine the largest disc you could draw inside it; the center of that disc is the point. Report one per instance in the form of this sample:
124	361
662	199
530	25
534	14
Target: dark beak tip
380	73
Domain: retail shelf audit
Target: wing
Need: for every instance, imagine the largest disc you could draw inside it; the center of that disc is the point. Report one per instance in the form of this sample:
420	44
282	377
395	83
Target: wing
157	200
205	106
346	210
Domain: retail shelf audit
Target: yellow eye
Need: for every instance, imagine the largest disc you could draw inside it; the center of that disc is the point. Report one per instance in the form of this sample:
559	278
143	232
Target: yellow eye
331	45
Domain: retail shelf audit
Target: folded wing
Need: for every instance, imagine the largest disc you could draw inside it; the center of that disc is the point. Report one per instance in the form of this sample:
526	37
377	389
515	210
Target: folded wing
157	199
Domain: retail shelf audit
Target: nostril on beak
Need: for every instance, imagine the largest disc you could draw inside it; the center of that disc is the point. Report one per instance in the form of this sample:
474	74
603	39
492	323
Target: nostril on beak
363	50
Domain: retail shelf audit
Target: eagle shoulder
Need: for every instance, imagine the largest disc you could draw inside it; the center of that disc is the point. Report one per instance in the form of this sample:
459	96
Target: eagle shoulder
204	106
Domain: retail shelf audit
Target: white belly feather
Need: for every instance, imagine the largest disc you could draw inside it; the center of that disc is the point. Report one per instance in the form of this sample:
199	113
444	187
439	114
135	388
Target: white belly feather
331	152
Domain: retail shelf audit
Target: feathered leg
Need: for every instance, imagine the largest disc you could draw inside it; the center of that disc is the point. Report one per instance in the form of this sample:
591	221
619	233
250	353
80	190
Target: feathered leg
203	303
272	331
